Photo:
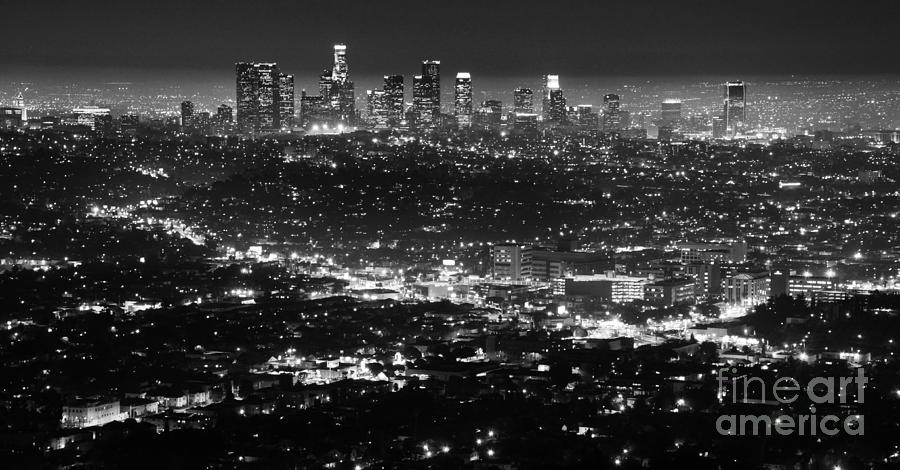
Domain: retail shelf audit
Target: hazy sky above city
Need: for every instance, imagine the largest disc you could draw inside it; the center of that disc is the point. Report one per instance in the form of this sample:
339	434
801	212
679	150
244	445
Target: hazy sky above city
488	37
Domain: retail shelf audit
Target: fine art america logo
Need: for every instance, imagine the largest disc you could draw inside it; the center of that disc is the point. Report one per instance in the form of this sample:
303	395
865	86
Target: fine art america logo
832	393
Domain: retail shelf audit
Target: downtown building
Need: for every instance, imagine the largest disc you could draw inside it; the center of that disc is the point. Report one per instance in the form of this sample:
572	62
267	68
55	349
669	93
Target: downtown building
384	107
463	100
735	107
265	98
554	101
427	95
335	106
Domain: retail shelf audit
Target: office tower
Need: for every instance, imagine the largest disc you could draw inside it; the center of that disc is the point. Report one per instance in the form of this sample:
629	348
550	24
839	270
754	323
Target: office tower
584	116
393	91
224	114
223	120
267	95
340	69
378	110
341	93
735	107
259	96
718	127
511	262
427	94
554	102
551	82
523	101
314	110
326	85
489	116
187	115
246	97
286	102
611	115
463	99
670	115
202	122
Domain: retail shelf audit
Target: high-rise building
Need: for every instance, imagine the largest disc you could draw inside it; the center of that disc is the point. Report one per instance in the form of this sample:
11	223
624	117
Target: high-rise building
342	95
463	99
670	113
314	110
187	115
718	127
735	107
523	101
377	110
611	117
247	103
340	70
260	91
286	102
490	115
268	96
224	113
427	94
393	91
554	102
222	122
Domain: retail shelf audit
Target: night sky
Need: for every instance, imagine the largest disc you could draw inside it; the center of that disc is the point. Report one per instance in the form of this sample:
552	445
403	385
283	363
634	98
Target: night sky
489	37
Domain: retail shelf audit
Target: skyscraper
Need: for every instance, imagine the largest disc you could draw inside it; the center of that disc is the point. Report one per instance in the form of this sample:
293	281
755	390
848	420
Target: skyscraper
246	97
259	96
286	102
393	91
523	101
268	96
490	115
611	118
427	94
735	107
340	69
187	115
670	113
377	110
341	94
554	102
463	99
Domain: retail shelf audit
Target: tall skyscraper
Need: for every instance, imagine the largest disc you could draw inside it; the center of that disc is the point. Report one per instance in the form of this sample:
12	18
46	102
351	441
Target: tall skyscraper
735	107
340	69
427	94
286	102
268	96
523	101
247	103
463	99
259	96
187	115
342	95
377	109
670	113
393	91
554	102
490	115
611	118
